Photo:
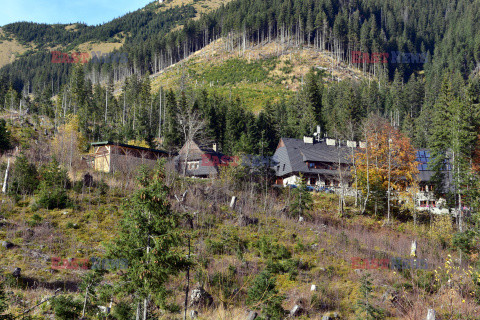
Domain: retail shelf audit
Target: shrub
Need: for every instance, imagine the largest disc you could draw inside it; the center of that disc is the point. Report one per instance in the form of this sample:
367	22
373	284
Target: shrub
264	293
269	249
442	229
52	193
324	300
290	266
465	241
36	219
78	186
71	225
67	308
229	243
52	198
3	304
102	187
54	176
426	281
24	177
225	282
302	200
365	309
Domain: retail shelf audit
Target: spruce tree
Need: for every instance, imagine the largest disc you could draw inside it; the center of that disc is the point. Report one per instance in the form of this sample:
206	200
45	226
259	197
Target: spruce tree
264	293
4	136
149	240
172	131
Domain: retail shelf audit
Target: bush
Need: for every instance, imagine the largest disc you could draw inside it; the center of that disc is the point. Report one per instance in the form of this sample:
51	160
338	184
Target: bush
289	266
54	181
229	243
78	186
324	300
225	282
102	188
24	177
3	304
36	219
442	229
269	249
52	198
54	176
71	225
465	241
263	292
426	281
67	308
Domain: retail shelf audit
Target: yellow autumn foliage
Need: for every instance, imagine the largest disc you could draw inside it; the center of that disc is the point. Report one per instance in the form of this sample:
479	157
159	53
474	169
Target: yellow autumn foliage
69	142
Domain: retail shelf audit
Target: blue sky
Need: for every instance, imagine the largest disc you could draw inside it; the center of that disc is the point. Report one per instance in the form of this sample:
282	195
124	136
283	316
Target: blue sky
91	12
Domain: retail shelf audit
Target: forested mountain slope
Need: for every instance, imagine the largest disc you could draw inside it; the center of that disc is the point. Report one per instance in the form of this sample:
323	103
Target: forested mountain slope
444	30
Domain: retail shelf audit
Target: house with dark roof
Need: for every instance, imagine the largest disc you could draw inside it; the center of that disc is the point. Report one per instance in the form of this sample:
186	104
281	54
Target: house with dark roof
201	161
323	163
327	162
426	199
110	156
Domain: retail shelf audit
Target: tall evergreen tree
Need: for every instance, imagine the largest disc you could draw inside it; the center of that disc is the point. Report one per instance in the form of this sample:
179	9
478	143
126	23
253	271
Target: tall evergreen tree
149	241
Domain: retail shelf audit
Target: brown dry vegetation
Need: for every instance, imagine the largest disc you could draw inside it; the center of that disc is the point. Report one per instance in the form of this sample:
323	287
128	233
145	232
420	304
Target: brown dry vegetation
202	6
320	248
9	49
286	66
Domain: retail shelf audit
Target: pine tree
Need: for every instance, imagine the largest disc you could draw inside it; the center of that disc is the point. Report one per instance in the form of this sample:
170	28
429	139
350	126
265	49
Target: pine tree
302	199
172	132
149	241
4	136
25	176
264	293
313	92
364	307
453	137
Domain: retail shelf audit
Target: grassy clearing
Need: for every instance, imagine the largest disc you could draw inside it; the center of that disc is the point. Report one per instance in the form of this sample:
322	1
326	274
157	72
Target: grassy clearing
201	6
267	72
10	49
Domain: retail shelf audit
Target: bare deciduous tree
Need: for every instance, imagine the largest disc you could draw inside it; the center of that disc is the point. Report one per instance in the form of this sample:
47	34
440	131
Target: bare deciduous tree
192	126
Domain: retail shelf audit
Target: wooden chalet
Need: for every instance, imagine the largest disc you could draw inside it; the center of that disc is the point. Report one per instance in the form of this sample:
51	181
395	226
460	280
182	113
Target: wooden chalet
110	156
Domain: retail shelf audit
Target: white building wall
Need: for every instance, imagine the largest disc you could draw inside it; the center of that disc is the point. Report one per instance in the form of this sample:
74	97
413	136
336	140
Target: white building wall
291	180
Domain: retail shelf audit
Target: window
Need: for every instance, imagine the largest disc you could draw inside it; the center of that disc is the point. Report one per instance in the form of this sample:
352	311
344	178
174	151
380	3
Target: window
311	165
313	181
283	167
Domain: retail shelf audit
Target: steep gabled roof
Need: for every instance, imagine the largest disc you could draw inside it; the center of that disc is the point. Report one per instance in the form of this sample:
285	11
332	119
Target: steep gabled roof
207	157
425	172
292	155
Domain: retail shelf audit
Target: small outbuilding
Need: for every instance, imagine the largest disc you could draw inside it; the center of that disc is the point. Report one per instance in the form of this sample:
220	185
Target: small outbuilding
111	156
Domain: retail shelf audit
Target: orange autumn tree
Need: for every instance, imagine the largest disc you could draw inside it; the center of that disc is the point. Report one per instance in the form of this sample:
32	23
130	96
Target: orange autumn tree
387	160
